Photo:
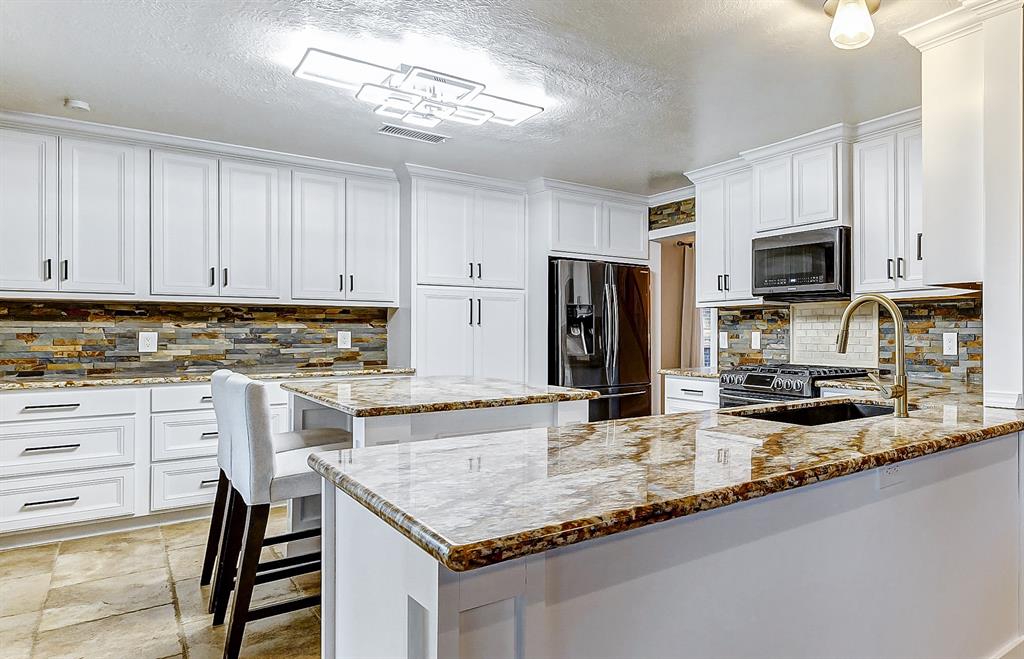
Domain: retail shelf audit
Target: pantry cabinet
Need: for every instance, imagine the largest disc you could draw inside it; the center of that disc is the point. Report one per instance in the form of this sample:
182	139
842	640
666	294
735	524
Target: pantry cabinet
28	211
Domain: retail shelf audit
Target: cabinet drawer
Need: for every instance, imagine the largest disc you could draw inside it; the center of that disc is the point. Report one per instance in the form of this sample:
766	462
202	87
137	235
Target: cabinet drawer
39	405
194	434
677	406
699	389
47	446
28	503
183	484
199	397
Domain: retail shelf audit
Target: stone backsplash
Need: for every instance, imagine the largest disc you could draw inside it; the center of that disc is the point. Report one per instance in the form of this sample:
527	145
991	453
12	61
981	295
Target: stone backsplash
671	214
94	338
926	321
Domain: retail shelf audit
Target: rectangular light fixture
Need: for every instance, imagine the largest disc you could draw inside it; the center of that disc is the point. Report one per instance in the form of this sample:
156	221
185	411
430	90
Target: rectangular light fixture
423	120
340	71
506	111
440	86
473	116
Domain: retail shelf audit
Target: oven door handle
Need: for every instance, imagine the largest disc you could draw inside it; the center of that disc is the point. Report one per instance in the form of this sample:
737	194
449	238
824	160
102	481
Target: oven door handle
753	401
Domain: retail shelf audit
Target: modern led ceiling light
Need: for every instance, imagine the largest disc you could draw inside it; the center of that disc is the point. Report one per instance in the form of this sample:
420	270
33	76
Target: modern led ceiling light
412	94
851	22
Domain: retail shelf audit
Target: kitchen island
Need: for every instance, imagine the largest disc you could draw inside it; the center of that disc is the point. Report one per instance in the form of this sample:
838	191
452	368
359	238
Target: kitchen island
702	534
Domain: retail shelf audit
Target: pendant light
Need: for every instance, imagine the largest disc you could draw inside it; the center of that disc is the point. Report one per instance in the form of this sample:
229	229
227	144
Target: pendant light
851	22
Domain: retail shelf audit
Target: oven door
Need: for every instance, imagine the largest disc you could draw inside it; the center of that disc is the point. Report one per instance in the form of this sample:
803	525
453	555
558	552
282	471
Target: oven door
803	266
734	398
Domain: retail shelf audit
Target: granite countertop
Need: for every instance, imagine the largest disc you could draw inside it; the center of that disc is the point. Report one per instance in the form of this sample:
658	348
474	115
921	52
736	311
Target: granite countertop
478	500
12	383
697	372
391	396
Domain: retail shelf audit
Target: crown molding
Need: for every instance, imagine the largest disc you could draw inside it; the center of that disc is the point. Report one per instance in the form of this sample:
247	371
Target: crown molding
667	197
890	123
944	28
986	9
718	169
62	126
840	132
538	185
422	172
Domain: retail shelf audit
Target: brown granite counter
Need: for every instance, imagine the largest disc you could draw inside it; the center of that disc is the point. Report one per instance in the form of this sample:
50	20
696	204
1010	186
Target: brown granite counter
703	372
530	491
393	396
12	383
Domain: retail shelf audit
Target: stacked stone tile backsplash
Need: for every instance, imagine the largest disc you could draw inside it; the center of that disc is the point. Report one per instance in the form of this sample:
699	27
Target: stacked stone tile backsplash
671	214
92	338
926	321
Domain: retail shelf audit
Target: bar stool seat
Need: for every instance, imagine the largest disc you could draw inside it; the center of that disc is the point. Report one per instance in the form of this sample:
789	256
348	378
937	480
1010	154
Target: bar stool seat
292	476
300	439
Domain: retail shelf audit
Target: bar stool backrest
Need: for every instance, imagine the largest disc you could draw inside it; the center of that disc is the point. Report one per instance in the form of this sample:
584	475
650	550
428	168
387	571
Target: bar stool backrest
252	440
222	409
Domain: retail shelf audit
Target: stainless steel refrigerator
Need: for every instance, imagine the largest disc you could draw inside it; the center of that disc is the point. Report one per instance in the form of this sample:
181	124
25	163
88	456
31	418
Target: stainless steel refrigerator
599	324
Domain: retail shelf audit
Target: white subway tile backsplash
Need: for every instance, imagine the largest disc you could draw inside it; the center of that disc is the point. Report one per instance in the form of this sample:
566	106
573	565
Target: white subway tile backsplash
816	326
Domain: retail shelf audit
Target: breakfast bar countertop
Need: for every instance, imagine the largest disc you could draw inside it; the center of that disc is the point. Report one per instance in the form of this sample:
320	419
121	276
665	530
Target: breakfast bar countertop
530	491
394	396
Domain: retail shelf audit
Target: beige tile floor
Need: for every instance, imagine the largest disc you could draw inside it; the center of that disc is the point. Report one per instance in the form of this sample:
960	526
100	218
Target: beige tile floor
137	595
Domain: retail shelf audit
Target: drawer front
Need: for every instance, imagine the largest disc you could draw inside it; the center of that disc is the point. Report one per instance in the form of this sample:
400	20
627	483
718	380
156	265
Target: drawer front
700	389
183	484
178	398
676	406
194	434
47	446
70	403
30	503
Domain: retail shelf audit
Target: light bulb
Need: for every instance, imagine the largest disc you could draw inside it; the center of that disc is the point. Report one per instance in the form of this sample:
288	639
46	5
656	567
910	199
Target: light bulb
852	26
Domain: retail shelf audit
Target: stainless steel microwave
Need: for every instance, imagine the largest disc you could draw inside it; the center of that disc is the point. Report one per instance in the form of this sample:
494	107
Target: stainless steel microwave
804	266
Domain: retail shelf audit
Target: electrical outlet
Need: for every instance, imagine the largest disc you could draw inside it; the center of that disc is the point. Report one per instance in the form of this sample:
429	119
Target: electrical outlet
147	341
344	339
755	340
890	475
723	340
949	344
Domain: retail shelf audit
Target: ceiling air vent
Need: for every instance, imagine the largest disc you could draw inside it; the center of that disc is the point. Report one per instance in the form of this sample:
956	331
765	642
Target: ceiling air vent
410	134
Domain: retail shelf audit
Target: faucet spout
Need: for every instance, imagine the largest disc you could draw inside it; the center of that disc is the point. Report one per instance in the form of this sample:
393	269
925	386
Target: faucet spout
898	391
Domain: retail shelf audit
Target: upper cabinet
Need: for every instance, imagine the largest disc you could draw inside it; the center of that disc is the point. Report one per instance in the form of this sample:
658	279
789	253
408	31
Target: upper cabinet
802	181
28	211
469	234
371	240
591	221
249	230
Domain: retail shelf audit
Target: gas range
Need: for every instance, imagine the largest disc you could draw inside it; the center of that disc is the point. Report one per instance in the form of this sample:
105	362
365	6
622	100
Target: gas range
766	383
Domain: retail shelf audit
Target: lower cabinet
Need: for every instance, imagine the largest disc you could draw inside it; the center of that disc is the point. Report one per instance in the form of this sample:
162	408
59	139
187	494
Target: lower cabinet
684	394
64	498
183	483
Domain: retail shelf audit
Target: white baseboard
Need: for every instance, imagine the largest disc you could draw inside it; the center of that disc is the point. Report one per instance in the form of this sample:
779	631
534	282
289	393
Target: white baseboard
70	532
1013	400
1012	650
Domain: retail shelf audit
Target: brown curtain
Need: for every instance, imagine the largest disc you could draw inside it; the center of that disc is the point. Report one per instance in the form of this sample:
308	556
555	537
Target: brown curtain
690	327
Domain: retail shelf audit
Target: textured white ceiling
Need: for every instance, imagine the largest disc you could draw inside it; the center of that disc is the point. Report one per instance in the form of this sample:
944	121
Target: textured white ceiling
636	91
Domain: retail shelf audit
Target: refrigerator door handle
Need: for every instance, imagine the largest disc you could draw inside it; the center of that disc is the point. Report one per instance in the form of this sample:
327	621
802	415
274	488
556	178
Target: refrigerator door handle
606	332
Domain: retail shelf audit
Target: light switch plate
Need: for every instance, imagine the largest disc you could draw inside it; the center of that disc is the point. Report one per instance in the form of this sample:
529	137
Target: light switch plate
344	339
755	340
949	344
147	341
723	340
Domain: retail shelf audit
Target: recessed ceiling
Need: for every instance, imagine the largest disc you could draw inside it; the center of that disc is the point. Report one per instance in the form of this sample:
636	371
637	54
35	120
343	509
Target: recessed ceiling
634	92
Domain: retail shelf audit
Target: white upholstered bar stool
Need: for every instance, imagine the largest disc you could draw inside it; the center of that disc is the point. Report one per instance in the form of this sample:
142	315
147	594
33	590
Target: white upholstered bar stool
282	442
259	478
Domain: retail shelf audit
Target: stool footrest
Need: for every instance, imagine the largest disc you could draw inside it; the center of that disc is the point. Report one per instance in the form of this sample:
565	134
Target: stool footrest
282	607
279	563
285	572
291	537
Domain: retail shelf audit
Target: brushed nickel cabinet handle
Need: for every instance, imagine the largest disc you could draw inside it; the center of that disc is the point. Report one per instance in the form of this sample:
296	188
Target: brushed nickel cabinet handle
50	502
55	447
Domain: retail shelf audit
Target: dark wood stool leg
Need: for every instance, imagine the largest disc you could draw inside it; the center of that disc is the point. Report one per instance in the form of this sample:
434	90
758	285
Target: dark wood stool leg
213	539
252	544
227	563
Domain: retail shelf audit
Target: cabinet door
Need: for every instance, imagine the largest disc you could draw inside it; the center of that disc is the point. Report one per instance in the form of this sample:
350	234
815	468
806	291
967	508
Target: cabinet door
97	217
499	347
445	323
814	185
739	223
874	215
909	209
444	234
318	236
372	229
500	239
773	190
248	229
711	228
28	211
626	229
577	224
184	224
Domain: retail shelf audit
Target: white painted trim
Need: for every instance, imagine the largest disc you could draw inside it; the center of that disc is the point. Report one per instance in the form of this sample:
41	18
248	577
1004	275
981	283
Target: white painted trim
1013	650
676	230
840	132
449	176
986	9
74	127
942	29
718	169
1011	400
667	197
546	184
603	258
890	123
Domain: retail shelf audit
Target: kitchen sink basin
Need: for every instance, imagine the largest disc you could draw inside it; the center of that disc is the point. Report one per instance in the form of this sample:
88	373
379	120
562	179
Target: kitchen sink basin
819	415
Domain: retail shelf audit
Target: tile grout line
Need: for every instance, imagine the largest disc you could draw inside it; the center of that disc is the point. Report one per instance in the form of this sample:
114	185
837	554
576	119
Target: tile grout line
174	598
49	587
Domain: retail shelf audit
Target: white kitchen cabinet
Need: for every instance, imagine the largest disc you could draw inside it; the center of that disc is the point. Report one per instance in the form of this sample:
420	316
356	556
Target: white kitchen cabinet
910	206
471	332
248	229
318	236
371	230
97	217
627	227
28	211
684	394
814	185
740	216
184	224
724	219
711	239
773	201
577	224
468	235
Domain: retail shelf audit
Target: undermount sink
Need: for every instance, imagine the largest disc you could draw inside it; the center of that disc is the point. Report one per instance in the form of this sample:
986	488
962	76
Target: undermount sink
819	415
